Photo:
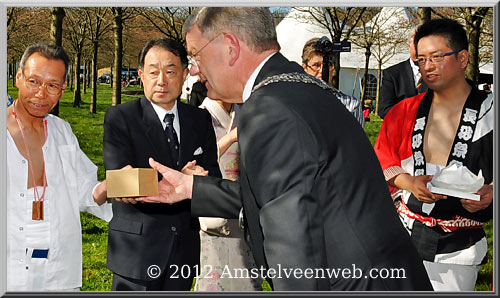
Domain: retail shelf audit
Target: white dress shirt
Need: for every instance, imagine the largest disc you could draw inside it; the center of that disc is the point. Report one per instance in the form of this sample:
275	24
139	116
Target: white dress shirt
71	178
161	112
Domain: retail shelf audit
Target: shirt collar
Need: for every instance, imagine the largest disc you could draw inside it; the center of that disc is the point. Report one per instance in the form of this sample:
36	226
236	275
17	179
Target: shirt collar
251	80
161	112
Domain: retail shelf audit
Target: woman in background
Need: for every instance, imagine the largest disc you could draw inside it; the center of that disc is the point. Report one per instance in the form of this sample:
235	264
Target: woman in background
223	248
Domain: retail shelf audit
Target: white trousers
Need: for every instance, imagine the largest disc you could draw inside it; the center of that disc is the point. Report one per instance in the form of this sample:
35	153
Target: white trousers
452	277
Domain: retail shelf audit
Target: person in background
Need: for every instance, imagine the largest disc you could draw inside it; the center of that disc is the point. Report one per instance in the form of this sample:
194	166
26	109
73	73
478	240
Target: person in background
197	94
400	81
312	62
49	180
223	246
450	124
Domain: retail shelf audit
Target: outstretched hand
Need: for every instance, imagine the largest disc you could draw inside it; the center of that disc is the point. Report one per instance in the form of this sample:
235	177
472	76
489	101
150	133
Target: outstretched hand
174	187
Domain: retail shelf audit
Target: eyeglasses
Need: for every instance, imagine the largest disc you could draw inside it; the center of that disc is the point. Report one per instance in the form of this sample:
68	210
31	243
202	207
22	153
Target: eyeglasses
192	58
315	67
421	61
34	85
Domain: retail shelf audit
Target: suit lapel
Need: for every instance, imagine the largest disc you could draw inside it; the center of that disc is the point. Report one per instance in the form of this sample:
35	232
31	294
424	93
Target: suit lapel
188	134
154	131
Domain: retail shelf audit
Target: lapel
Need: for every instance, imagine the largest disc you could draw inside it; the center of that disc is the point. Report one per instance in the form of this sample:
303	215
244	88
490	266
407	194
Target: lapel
154	132
188	133
409	79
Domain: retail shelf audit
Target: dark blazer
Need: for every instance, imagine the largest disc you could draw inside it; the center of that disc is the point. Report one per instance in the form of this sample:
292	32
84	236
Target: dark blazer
312	191
147	234
398	83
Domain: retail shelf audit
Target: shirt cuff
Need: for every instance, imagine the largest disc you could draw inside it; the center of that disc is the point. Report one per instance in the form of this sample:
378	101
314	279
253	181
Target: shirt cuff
392	172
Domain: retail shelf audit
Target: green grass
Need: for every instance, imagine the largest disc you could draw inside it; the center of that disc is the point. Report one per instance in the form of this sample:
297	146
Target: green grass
89	129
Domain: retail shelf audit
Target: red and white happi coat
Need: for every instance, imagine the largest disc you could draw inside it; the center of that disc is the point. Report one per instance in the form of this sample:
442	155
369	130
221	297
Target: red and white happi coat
443	232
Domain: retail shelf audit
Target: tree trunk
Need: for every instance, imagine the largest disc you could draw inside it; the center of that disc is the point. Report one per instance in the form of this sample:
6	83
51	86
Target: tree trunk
93	100
85	77
379	81
14	72
336	70
56	29
424	14
365	76
118	29
70	77
474	33
77	97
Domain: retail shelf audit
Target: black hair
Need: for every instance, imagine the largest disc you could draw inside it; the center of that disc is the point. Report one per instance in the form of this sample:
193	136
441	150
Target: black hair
451	30
168	44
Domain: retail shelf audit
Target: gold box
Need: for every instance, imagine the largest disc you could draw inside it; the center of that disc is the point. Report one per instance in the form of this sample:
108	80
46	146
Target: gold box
136	182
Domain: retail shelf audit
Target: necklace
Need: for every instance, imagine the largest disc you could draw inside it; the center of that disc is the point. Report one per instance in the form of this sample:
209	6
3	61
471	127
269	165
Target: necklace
37	210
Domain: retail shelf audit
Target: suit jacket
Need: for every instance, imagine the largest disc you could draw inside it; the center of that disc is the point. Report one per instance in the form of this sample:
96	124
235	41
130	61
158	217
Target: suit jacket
312	191
145	234
398	83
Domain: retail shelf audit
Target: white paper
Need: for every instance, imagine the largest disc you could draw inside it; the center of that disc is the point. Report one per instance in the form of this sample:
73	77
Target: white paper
457	181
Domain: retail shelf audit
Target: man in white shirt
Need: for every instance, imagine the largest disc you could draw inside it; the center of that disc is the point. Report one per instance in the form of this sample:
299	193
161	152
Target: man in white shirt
49	180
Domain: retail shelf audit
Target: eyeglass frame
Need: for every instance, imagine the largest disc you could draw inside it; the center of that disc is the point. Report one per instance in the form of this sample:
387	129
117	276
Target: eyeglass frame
191	57
431	59
42	84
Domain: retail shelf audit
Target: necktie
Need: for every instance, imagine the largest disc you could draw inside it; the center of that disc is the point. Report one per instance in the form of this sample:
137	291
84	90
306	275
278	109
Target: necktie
172	141
421	87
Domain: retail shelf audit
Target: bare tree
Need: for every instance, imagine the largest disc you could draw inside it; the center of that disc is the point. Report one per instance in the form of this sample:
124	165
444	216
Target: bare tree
120	16
76	35
99	24
340	22
167	20
56	31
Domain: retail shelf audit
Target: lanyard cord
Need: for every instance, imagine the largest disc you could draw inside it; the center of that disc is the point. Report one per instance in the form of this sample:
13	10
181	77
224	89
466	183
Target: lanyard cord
30	163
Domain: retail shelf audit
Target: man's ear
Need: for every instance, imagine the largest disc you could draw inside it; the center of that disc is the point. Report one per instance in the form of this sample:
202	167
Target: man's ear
234	47
185	73
463	57
19	74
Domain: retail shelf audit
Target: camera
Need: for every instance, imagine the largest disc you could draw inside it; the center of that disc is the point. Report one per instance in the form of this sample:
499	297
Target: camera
325	47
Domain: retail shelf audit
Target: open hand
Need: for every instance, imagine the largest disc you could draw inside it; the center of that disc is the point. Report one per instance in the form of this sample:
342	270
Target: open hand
174	187
486	193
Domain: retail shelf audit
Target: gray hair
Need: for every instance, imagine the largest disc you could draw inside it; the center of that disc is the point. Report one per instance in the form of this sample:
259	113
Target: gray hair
51	52
253	25
411	34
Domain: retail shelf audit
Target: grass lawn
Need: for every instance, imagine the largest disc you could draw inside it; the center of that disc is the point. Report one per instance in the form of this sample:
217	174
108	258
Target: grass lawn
89	129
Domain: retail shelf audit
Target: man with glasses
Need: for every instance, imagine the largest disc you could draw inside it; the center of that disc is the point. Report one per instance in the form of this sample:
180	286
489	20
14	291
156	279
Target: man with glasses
156	247
312	62
311	196
450	124
49	181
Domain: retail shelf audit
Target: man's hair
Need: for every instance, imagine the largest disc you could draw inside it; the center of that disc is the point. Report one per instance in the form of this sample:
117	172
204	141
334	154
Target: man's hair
411	34
451	30
309	49
253	25
168	44
51	52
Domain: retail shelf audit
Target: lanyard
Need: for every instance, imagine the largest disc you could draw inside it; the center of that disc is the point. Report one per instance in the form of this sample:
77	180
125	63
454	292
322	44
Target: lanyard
30	163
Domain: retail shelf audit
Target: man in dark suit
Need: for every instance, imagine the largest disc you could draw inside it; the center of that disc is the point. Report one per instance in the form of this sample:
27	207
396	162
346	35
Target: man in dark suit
151	246
312	191
400	81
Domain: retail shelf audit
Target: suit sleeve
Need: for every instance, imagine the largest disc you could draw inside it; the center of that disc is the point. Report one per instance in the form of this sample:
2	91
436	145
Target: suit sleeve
116	141
215	197
281	162
387	97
